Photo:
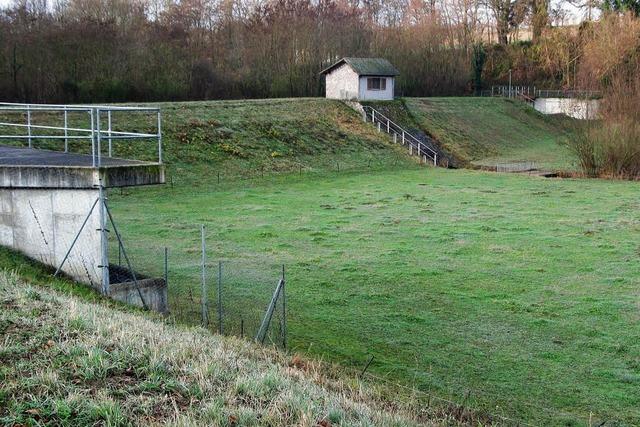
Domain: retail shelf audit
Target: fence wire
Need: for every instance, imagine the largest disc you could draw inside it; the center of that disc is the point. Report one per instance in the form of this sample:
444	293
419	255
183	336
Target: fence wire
226	295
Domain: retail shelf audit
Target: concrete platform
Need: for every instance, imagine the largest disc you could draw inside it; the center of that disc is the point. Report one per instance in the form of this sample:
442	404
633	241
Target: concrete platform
34	168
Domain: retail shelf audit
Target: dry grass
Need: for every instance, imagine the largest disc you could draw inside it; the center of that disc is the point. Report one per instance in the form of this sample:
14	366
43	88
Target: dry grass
67	362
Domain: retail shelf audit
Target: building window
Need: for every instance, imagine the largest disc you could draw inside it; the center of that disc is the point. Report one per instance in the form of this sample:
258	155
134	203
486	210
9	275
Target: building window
376	83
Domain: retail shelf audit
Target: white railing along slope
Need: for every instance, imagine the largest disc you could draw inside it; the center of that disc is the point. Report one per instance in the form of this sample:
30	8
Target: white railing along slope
416	146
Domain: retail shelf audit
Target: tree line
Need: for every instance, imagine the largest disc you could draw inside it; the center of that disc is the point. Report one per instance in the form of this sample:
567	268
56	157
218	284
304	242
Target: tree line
150	50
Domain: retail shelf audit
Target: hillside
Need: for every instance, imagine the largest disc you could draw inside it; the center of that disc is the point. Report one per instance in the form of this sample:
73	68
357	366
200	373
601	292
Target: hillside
248	138
65	361
485	131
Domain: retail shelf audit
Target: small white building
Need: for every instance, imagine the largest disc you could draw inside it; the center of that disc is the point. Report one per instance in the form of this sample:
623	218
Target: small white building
360	79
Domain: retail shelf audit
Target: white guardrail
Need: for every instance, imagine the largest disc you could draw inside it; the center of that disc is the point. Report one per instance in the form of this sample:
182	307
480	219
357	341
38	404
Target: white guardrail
415	145
99	128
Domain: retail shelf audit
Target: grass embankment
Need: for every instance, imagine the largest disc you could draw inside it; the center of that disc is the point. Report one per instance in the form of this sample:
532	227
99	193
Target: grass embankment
486	131
243	138
64	361
521	290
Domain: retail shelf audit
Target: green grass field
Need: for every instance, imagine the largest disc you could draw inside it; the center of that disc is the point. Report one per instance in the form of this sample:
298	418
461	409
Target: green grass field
521	290
513	294
486	131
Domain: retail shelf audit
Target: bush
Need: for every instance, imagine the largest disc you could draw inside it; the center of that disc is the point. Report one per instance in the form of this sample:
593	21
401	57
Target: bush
609	149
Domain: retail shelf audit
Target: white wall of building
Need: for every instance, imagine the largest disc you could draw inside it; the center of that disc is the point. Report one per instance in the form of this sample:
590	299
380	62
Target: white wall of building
584	109
376	95
342	83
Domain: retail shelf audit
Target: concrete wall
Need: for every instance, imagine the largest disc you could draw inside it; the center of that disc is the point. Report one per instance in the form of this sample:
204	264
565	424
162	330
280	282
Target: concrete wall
342	83
584	109
376	95
42	224
154	292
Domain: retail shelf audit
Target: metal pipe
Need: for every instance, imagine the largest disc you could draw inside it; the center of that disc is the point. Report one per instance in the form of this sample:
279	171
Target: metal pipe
159	137
66	131
103	242
98	137
93	142
203	299
109	130
220	297
29	125
284	310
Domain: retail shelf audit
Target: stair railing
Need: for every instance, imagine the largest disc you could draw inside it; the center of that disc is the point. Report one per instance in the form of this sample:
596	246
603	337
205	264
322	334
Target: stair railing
406	138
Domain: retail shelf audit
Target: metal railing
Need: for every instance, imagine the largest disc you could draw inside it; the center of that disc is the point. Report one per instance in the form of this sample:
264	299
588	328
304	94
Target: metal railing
406	138
530	93
90	127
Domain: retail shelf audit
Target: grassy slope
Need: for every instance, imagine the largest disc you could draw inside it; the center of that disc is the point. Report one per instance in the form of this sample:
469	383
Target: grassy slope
64	361
485	131
523	290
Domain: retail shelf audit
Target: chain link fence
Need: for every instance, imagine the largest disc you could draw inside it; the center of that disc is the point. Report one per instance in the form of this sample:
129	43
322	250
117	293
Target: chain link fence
239	297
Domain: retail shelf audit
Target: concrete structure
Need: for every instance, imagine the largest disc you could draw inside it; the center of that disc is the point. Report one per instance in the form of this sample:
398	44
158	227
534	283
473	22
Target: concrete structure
46	196
584	109
360	79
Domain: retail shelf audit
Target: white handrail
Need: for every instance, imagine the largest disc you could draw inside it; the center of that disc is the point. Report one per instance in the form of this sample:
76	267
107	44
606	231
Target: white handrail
391	126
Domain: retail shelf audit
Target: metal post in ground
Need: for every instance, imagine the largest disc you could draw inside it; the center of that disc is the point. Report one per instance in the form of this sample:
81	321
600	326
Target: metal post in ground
220	297
284	311
104	258
402	137
395	138
166	266
378	126
203	299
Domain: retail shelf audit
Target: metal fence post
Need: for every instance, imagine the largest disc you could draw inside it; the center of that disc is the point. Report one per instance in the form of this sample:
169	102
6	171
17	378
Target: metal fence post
109	131
284	310
29	124
203	299
166	266
66	130
104	261
220	297
93	139
402	137
98	136
159	137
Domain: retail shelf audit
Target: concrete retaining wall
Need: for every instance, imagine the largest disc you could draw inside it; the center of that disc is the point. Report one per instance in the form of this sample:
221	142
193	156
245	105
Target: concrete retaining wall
154	292
584	109
42	224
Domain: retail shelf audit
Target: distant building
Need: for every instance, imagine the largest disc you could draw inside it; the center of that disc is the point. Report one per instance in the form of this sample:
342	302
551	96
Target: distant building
360	79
